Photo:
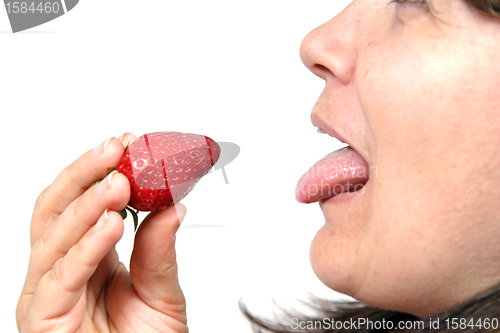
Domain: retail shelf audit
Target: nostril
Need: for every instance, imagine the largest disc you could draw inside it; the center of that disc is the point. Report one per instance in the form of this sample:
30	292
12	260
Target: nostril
321	71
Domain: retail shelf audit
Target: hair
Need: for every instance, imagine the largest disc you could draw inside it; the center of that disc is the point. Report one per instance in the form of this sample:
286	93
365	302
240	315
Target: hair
484	306
479	314
491	7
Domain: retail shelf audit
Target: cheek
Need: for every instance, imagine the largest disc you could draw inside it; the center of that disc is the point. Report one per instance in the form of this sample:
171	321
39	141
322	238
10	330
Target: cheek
423	99
432	123
419	107
399	96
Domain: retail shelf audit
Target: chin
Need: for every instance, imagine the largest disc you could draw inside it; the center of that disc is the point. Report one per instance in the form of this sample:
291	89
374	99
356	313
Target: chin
345	267
334	262
341	252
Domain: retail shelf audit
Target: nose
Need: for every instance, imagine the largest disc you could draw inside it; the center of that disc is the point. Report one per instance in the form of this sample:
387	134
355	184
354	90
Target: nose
330	50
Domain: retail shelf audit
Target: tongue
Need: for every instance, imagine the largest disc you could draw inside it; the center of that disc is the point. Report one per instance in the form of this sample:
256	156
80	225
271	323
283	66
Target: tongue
342	171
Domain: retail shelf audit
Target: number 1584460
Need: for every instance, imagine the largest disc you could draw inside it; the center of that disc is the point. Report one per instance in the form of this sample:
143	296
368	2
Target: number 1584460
16	7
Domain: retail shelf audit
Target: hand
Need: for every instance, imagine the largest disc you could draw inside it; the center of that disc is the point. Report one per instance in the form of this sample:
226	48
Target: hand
75	282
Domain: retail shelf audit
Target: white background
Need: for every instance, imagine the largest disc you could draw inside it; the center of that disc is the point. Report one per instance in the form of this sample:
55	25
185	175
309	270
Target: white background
227	69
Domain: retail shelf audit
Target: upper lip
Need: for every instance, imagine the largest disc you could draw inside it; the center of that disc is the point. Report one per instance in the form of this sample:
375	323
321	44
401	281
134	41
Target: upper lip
316	121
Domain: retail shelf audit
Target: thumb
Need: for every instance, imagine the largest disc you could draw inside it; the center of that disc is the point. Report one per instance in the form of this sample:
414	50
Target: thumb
153	265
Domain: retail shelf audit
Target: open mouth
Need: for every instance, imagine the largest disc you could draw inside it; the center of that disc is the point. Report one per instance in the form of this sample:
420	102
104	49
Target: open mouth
343	171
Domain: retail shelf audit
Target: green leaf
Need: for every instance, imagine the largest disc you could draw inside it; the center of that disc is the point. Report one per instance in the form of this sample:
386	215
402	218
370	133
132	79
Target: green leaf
97	182
135	217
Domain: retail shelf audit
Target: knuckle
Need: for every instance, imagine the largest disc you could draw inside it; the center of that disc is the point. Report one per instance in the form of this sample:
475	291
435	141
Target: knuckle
34	325
169	265
69	174
77	207
61	276
71	171
55	275
84	208
40	202
72	176
21	311
40	253
64	271
42	244
77	254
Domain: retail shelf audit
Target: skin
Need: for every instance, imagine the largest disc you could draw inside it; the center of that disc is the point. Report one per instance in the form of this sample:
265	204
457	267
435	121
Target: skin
75	282
414	90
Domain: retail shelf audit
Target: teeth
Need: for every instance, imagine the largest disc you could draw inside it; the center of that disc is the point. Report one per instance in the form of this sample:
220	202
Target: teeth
322	131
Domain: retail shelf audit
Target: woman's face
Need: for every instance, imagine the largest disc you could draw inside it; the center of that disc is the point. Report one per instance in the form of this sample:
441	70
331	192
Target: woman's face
413	88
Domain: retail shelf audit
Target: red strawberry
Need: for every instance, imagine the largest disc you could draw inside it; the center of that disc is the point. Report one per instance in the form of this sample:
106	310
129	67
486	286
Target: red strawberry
163	167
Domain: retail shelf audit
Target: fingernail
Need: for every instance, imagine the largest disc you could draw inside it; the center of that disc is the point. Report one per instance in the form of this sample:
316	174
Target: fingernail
121	137
102	220
107	181
127	138
100	148
180	209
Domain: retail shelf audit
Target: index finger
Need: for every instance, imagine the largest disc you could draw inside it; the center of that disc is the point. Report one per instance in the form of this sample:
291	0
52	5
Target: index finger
74	180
